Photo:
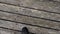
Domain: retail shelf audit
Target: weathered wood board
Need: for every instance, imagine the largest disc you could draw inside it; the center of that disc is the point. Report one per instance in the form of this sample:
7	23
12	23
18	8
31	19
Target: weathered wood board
57	0
39	16
7	31
29	20
37	4
30	12
33	29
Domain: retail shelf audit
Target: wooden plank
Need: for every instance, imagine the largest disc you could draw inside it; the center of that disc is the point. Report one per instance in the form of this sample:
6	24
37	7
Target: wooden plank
52	0
4	31
29	20
44	5
7	31
57	0
30	12
32	29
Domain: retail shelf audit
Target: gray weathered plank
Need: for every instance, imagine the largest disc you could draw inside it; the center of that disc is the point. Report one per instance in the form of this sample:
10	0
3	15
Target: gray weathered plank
37	4
4	31
30	12
29	20
33	29
57	0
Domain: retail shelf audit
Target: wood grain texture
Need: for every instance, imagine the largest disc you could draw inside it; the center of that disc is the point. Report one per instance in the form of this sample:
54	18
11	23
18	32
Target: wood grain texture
5	31
33	29
37	4
57	0
29	20
30	12
39	16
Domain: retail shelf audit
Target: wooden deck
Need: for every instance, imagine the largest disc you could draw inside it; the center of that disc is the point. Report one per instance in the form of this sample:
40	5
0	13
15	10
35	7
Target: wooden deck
39	16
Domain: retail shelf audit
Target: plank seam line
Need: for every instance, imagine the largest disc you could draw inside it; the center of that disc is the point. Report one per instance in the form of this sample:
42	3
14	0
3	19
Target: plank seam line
31	8
14	30
10	29
31	16
30	24
53	1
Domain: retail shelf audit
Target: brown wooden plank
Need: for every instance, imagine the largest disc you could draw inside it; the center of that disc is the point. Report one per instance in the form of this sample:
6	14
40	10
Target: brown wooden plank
33	29
37	4
30	12
29	20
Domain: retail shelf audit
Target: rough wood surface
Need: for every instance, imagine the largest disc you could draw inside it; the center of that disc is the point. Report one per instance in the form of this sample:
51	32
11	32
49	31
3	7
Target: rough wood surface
29	20
33	29
30	12
57	0
6	31
37	4
39	16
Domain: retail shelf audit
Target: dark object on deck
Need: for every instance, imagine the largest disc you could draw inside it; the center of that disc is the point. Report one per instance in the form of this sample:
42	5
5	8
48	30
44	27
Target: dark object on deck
25	30
50	0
